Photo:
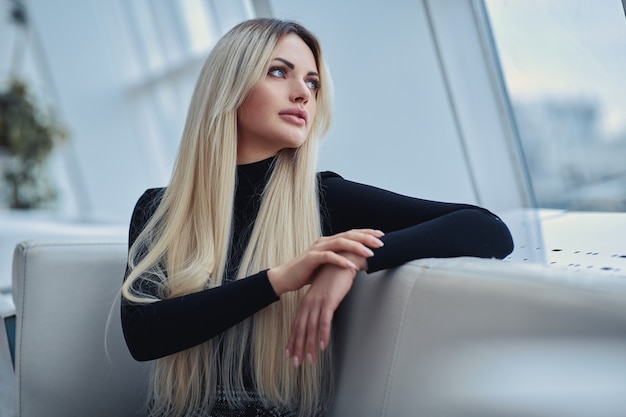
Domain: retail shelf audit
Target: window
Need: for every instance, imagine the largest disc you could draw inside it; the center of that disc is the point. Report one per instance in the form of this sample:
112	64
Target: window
161	45
563	62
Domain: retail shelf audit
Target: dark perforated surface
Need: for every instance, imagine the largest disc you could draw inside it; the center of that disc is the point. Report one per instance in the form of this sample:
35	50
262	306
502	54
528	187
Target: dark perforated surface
586	241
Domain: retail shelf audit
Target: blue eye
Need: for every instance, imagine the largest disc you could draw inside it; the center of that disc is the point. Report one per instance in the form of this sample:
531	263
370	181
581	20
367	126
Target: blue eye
313	84
277	72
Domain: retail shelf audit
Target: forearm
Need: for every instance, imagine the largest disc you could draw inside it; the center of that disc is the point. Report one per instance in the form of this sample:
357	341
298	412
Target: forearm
164	327
346	250
468	232
415	228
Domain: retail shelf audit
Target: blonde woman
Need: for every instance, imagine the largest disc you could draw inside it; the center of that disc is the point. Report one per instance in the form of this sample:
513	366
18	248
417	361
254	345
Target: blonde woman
236	268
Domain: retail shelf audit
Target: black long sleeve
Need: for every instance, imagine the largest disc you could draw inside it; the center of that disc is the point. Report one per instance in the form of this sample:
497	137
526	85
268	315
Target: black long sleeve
414	228
168	326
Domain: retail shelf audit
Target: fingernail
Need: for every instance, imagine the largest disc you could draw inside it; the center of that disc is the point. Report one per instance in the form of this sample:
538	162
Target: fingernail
380	233
309	357
287	355
322	346
296	361
381	243
369	252
353	265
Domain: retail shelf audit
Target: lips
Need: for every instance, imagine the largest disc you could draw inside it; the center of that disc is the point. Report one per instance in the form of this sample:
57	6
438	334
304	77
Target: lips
296	116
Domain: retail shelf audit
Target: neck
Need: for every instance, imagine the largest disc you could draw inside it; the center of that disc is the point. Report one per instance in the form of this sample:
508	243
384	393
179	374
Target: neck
250	158
254	175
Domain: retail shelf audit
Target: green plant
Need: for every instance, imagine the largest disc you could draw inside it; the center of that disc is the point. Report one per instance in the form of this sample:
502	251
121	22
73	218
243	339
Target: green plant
27	137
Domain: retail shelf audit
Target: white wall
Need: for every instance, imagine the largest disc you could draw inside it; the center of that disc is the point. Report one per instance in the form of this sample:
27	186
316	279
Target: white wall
109	164
393	127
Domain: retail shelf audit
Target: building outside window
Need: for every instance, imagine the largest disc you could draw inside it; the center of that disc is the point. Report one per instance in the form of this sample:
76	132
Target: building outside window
563	63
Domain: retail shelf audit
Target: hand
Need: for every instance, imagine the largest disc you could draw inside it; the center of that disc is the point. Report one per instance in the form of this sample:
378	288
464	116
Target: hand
312	325
330	250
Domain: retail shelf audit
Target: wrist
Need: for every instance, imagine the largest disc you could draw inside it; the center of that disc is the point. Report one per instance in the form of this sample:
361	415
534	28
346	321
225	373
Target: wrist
359	261
275	278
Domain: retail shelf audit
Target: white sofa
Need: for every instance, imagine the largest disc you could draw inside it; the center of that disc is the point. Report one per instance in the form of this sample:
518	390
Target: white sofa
18	226
64	295
436	337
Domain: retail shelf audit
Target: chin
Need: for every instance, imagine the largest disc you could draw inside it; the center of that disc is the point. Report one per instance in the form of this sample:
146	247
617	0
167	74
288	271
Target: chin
293	144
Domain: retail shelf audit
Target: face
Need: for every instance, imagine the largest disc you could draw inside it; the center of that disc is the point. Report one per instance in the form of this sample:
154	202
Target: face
278	112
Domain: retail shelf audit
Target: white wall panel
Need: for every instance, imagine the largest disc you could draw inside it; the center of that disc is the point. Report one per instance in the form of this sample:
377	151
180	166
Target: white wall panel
479	102
109	160
393	123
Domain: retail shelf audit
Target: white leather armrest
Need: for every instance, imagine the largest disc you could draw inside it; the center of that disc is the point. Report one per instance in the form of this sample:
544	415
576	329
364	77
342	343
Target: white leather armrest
64	292
465	336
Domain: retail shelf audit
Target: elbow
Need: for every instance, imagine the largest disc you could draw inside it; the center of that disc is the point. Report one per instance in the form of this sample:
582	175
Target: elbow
499	241
136	340
486	235
140	356
135	346
505	245
135	350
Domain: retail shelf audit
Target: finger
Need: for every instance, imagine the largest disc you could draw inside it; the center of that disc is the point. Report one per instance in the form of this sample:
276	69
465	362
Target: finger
329	257
368	232
312	335
325	326
368	237
344	244
295	346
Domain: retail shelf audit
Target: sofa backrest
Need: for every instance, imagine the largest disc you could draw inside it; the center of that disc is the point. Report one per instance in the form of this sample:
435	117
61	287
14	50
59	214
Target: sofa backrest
480	337
64	367
435	337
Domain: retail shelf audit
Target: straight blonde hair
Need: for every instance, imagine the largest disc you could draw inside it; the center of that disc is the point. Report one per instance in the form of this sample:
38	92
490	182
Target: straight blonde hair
184	247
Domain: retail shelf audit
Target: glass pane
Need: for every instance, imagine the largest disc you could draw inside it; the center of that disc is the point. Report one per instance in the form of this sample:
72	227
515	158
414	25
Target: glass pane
199	24
148	34
564	63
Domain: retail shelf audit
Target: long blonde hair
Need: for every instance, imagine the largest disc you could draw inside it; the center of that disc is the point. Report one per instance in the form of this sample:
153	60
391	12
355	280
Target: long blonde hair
198	206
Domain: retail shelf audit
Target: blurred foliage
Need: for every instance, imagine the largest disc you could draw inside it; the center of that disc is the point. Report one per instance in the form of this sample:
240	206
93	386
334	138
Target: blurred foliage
27	138
18	14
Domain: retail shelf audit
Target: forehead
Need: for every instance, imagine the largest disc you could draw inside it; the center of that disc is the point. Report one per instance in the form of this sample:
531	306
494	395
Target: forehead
292	48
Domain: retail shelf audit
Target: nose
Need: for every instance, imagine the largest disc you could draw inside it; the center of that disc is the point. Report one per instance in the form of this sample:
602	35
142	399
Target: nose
300	92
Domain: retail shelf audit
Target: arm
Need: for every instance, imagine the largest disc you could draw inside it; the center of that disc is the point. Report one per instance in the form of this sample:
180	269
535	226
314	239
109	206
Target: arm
168	326
311	327
164	327
414	228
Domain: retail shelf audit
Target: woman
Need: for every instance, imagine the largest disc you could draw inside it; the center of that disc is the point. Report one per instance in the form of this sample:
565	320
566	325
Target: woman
230	286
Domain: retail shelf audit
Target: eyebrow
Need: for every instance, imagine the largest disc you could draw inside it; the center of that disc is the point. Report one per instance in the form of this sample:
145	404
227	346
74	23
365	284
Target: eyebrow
292	66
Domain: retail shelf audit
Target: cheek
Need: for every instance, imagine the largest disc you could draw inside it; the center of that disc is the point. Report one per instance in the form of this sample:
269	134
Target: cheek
261	95
312	110
254	101
249	110
243	113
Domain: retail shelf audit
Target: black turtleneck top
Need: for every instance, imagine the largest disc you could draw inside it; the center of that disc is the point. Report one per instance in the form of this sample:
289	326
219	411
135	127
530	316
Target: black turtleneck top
414	228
